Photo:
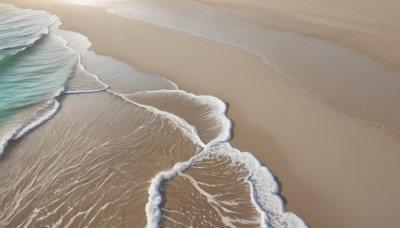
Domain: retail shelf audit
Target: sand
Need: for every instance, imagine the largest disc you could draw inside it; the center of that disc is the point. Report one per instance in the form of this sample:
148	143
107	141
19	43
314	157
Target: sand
88	174
335	171
367	26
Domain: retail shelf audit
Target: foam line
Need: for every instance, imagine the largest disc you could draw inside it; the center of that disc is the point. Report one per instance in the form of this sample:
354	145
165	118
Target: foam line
14	48
205	110
80	67
37	121
30	125
153	210
264	189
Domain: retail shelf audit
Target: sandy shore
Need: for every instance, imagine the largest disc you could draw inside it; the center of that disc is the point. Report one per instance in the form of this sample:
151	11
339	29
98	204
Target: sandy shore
335	171
367	26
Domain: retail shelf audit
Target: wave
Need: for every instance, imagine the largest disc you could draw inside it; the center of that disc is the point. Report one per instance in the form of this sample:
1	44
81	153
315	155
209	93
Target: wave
35	68
21	28
51	110
201	118
36	64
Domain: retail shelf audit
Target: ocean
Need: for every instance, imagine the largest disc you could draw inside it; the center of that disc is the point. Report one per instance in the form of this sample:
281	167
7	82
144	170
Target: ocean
88	141
35	67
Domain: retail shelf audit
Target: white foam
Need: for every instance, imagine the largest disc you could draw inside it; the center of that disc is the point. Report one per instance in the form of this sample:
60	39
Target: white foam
29	43
108	69
80	67
188	129
264	189
3	143
217	115
153	210
31	124
37	121
14	48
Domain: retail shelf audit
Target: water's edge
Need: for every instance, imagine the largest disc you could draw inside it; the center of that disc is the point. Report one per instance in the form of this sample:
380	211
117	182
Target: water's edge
278	49
260	192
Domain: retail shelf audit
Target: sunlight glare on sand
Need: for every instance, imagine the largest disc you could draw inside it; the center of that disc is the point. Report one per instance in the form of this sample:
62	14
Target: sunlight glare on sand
81	2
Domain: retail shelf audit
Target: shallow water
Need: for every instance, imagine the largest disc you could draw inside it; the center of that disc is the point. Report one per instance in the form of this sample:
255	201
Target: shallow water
123	157
92	167
35	68
119	75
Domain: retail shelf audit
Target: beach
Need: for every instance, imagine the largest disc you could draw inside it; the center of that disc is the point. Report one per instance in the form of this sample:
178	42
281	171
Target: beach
333	170
366	26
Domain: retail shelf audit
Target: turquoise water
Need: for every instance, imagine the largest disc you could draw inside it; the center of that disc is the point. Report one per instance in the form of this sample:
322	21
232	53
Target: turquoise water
34	75
103	161
35	66
20	28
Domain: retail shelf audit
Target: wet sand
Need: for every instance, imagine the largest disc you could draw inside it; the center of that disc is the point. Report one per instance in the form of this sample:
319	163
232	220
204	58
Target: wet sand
335	171
366	26
96	171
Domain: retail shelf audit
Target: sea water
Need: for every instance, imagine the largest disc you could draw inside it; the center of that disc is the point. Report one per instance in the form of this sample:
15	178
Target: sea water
35	67
150	157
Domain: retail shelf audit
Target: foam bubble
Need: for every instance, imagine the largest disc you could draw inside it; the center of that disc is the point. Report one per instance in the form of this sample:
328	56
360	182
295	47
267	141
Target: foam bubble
264	189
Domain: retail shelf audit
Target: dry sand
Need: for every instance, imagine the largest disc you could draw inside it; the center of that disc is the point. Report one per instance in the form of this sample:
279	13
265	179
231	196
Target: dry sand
335	171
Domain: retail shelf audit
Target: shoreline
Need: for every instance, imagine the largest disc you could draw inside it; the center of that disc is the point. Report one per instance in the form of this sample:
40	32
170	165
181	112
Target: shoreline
339	77
279	151
364	28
